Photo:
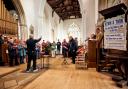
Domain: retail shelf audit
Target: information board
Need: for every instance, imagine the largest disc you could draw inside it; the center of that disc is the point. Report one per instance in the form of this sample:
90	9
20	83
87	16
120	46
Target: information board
115	33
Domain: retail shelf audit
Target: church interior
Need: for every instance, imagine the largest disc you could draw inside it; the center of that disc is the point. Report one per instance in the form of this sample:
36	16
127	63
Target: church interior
63	44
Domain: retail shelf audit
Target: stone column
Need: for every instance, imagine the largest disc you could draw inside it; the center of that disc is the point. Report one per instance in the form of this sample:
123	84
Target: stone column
42	31
83	31
41	19
40	26
23	32
90	17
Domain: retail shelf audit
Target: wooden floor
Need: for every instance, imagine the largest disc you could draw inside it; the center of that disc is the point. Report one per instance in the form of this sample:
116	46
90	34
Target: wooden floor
67	77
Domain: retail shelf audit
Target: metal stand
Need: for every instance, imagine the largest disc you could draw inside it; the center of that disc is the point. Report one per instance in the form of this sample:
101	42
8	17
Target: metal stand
42	60
41	63
47	56
65	61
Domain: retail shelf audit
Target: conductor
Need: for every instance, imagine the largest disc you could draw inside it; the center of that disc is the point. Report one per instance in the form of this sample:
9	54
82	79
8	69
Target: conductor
31	50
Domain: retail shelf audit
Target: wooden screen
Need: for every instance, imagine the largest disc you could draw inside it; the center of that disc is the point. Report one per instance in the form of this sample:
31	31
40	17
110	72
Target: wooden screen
8	24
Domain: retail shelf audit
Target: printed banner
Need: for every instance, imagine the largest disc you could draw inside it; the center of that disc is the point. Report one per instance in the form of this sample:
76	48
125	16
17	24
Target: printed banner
115	33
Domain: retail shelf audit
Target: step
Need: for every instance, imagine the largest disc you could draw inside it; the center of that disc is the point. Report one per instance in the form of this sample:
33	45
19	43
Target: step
102	61
122	83
113	61
117	78
108	65
7	70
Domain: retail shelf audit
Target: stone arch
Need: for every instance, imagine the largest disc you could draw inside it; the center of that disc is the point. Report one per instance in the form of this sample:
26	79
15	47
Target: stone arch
22	19
81	6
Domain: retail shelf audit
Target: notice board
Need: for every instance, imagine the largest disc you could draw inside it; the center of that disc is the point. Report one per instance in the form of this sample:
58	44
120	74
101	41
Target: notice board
115	33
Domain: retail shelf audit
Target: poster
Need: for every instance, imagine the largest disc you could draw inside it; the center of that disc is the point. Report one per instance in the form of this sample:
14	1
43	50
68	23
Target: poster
115	33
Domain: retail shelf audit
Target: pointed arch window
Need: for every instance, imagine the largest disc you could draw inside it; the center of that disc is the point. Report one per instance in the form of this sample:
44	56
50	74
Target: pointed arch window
73	30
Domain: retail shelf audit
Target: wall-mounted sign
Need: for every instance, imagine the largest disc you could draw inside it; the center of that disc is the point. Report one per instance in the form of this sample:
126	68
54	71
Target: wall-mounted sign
115	33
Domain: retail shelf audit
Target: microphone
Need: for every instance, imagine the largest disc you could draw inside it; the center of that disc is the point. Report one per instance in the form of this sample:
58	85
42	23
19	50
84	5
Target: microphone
87	39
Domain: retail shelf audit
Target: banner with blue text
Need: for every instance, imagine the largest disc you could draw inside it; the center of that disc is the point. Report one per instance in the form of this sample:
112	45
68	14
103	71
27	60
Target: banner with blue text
115	33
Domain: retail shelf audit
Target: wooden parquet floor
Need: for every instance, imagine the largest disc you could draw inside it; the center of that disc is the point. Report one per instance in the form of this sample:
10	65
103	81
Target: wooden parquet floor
67	77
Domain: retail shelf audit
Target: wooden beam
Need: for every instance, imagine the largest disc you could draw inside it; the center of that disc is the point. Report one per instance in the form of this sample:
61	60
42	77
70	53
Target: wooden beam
55	3
64	6
65	9
53	13
69	12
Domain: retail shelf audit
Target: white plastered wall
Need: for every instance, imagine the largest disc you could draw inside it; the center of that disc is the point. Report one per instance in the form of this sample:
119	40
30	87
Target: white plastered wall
50	24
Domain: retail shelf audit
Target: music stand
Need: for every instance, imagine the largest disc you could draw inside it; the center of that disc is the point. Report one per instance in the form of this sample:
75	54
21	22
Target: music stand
47	57
42	58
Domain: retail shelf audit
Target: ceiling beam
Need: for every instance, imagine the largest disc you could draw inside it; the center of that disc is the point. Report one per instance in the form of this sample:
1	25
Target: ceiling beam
69	12
65	8
55	3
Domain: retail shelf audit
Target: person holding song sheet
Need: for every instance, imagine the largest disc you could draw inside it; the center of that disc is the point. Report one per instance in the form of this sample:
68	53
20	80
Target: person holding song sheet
65	48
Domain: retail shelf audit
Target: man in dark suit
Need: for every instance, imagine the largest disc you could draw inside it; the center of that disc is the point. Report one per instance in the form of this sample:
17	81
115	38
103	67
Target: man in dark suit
31	50
72	49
